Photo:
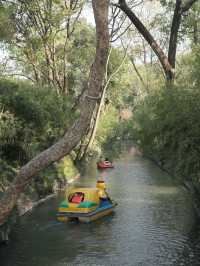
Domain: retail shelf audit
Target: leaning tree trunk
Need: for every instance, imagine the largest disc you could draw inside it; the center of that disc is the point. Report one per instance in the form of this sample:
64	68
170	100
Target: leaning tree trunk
95	123
176	22
168	63
181	7
73	136
86	145
97	114
101	104
169	73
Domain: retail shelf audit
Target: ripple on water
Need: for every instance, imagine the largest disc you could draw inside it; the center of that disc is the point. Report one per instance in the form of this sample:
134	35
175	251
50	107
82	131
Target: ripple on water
152	225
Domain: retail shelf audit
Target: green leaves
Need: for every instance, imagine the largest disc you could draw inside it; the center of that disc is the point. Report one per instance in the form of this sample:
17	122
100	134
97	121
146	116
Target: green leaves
31	119
168	129
7	27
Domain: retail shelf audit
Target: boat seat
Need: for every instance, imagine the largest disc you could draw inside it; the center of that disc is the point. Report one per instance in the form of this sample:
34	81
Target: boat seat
77	198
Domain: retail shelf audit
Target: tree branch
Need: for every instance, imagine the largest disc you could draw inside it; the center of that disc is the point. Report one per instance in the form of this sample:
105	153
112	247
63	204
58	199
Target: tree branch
149	38
75	133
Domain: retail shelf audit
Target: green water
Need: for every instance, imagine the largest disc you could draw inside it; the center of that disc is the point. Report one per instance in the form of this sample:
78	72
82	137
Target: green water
153	224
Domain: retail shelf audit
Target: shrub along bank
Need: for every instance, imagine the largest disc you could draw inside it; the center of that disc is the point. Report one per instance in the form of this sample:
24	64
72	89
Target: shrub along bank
32	119
166	123
167	128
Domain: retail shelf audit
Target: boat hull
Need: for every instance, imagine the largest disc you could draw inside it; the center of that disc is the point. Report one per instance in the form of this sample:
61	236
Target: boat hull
96	216
87	217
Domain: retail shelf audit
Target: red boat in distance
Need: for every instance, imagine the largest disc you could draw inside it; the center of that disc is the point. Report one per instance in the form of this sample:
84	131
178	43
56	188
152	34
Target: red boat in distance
104	165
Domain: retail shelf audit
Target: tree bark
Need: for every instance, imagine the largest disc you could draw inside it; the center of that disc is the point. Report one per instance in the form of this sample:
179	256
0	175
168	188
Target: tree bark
97	114
168	63
95	123
176	22
85	146
179	10
169	73
73	136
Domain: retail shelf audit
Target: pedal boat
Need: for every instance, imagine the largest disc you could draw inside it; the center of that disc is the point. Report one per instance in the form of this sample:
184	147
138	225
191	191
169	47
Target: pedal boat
104	165
86	204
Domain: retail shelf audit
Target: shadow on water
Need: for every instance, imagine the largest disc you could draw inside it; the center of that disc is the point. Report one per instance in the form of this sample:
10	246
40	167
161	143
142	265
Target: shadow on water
153	224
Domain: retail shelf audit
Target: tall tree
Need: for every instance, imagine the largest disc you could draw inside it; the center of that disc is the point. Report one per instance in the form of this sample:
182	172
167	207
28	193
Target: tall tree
167	62
43	39
80	126
180	9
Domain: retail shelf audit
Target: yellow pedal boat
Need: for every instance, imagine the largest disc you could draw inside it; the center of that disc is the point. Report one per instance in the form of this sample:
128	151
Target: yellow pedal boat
86	204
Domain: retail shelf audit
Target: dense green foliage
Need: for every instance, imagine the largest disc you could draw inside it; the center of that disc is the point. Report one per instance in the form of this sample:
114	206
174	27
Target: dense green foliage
51	44
168	129
166	122
57	60
31	119
7	27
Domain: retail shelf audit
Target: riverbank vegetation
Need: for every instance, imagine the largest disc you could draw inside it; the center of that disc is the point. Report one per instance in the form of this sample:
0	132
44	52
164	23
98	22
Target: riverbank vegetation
60	96
166	124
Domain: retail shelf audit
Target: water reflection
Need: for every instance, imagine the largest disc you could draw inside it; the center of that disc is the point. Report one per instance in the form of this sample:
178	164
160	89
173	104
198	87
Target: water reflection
154	224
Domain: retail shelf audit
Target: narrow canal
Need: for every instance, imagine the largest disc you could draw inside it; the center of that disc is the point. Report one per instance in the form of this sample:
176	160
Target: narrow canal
154	224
